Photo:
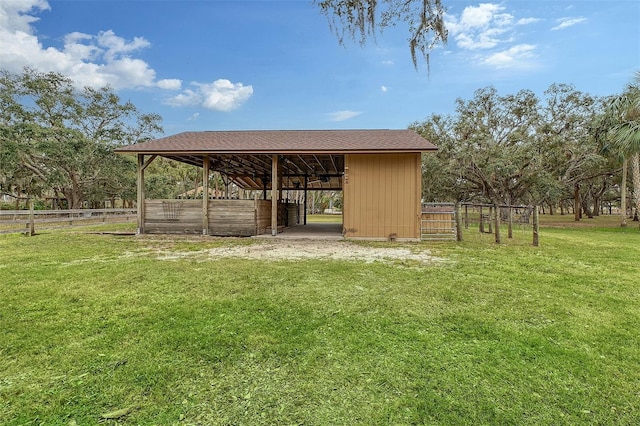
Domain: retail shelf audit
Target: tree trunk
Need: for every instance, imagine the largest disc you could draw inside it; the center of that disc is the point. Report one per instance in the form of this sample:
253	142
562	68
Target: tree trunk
74	200
576	202
587	207
635	169
623	194
597	205
18	191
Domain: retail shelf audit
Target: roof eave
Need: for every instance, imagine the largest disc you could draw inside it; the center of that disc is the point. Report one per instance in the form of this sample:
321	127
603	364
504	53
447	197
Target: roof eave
271	152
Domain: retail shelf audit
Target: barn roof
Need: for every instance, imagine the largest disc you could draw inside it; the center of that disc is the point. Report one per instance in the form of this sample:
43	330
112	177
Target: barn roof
285	141
313	157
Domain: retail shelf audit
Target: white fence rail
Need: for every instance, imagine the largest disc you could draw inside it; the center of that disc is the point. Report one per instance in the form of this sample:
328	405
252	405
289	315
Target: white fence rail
27	221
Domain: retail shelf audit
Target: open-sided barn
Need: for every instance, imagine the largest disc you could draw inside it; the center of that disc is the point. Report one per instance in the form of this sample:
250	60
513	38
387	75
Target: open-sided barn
378	171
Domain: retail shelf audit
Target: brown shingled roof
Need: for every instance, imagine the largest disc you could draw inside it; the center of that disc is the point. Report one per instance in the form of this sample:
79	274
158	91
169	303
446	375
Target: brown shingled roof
285	141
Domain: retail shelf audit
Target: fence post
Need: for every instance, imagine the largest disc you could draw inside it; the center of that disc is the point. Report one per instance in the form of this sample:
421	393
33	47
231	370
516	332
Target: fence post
491	219
458	222
32	226
481	227
535	226
496	220
510	219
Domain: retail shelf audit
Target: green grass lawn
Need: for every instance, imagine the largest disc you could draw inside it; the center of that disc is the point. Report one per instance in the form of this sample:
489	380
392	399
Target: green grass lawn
324	218
99	329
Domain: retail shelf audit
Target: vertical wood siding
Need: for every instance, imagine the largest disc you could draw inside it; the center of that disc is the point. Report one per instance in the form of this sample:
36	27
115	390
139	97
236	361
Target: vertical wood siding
382	196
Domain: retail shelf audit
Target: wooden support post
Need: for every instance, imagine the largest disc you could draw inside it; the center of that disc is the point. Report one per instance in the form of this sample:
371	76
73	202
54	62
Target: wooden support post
481	228
142	165
496	219
140	201
306	185
206	164
536	241
510	219
458	222
32	225
490	217
274	195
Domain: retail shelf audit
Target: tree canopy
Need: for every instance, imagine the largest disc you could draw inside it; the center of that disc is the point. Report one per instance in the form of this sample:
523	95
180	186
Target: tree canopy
360	20
618	131
55	138
520	149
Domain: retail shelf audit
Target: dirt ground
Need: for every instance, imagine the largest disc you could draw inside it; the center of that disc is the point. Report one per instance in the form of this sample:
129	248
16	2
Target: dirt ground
310	249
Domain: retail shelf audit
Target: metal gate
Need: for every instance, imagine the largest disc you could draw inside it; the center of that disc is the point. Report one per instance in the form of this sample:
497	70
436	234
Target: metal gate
438	221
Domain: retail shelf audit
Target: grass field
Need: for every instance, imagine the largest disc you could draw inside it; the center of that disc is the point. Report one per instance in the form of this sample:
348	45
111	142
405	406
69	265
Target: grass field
324	218
100	329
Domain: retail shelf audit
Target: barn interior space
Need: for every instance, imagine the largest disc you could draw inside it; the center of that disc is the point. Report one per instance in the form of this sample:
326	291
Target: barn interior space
254	171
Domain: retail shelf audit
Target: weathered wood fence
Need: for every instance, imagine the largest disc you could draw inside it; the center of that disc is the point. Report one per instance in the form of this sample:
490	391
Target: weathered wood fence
224	217
28	221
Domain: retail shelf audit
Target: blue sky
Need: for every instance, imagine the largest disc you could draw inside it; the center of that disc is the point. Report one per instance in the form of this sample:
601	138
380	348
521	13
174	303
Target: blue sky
228	65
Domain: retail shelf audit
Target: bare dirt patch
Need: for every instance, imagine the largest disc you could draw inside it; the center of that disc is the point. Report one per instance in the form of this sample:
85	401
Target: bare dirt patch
309	249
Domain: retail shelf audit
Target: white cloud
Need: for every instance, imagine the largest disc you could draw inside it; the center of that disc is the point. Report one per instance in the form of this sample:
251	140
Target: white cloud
518	56
527	21
170	84
387	62
568	22
480	27
493	33
480	16
343	115
89	60
384	88
221	95
193	116
14	14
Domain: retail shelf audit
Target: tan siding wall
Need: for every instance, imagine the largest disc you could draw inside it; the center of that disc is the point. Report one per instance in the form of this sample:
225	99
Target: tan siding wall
382	195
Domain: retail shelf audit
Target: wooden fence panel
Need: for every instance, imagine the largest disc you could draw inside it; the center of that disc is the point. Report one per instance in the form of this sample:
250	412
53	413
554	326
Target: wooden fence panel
20	221
173	217
263	216
232	218
438	222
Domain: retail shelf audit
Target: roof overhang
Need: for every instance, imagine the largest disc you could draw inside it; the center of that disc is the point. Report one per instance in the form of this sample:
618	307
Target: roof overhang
309	158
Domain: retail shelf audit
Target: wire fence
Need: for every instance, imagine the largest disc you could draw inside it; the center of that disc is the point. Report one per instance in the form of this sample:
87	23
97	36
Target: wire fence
490	218
28	221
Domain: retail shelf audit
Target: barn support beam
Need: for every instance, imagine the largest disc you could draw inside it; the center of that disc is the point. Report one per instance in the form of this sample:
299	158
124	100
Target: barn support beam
306	185
142	165
206	164
274	195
